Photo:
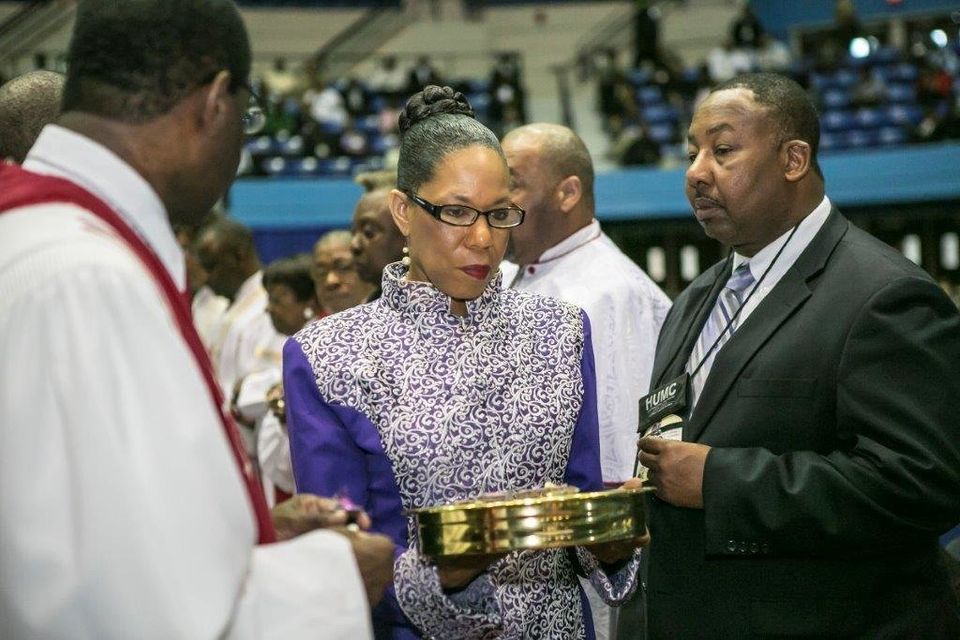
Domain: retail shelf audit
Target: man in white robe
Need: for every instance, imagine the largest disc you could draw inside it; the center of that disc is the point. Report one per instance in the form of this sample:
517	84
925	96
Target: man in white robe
125	513
561	251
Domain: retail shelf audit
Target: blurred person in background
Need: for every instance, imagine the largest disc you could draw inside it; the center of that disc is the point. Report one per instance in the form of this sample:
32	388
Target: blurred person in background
291	304
246	341
376	240
338	285
27	104
150	515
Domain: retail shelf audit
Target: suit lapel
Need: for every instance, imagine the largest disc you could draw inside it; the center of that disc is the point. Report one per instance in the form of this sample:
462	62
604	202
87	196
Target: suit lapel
678	337
782	301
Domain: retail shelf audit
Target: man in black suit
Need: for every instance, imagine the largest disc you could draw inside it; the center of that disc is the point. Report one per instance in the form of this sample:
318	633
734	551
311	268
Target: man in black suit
820	456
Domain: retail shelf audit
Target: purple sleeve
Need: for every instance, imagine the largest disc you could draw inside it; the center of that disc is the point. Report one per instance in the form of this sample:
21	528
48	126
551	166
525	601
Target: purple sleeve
583	467
336	451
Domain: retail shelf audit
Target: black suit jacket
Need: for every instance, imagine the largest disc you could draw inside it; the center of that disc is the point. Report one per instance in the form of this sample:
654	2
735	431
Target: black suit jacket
833	414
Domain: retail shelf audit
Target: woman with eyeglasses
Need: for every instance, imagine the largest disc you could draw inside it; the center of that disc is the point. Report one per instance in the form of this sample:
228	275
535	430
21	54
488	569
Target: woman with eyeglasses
447	388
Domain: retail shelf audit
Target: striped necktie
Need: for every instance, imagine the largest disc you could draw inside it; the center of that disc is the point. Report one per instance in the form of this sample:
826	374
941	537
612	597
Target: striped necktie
723	311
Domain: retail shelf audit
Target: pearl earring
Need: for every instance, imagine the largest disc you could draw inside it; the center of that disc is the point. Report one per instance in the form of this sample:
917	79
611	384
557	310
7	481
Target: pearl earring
405	261
307	313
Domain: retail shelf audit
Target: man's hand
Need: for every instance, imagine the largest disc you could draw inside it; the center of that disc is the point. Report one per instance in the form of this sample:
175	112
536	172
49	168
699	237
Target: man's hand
675	470
305	512
620	550
374	555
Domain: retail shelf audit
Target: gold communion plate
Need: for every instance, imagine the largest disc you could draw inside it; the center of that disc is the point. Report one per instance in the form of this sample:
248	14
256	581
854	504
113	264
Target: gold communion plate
545	518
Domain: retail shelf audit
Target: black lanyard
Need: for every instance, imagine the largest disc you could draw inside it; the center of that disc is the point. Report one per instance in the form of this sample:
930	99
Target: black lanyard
743	304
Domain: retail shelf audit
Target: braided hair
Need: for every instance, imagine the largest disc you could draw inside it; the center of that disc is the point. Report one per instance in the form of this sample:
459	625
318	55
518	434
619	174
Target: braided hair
434	123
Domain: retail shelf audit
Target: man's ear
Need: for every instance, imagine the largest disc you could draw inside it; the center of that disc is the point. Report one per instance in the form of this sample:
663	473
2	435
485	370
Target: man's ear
570	192
216	101
400	211
797	160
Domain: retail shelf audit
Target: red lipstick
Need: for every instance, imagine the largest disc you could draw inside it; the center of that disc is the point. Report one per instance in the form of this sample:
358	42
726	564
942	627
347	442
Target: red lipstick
477	271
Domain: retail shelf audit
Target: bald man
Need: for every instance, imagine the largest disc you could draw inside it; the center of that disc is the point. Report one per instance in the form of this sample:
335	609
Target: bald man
560	251
334	273
376	240
27	104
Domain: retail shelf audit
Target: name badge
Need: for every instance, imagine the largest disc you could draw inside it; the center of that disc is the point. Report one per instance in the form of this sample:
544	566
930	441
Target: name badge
670	399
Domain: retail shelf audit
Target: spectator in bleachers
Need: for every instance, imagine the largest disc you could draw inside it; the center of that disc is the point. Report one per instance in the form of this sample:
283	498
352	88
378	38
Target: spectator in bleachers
355	97
389	77
632	146
335	278
772	54
646	34
507	96
280	81
934	86
610	85
353	143
869	90
746	30
727	61
27	104
325	104
422	73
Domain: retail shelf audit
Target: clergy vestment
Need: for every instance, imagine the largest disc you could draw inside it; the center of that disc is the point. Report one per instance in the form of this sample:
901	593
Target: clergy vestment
626	309
124	514
399	404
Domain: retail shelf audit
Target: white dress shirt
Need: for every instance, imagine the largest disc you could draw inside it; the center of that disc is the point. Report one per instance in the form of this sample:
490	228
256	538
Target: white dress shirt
626	309
124	513
759	263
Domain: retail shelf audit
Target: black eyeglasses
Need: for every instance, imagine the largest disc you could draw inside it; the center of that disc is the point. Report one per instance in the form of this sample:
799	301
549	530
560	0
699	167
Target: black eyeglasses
460	215
254	117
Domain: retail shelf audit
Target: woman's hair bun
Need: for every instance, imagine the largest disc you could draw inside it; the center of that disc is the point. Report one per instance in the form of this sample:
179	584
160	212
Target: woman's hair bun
433	101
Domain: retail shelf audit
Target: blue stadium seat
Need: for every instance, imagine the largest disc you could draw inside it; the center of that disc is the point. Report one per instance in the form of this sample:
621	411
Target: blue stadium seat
892	135
649	95
262	146
870	118
901	93
860	138
837	120
836	98
831	141
657	113
903	72
662	133
904	114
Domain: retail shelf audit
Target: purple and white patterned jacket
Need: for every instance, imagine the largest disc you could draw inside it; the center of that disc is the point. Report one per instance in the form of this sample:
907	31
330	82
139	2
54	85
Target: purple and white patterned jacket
399	404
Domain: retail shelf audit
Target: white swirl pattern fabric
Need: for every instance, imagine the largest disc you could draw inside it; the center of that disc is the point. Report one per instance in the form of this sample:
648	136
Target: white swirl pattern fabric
487	402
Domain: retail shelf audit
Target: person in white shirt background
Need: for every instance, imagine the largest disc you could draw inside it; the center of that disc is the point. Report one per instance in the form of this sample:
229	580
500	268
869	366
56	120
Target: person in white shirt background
561	251
246	342
122	512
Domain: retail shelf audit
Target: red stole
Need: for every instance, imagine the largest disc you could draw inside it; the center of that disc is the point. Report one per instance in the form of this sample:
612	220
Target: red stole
19	188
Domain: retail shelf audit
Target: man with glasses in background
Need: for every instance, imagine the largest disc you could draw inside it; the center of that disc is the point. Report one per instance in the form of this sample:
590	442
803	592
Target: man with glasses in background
129	507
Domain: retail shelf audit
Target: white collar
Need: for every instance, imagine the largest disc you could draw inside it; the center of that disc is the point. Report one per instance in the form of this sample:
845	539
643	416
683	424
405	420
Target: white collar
806	230
251	288
572	242
67	154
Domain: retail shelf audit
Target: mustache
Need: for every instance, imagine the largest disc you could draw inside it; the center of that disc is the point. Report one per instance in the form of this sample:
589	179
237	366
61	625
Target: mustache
703	201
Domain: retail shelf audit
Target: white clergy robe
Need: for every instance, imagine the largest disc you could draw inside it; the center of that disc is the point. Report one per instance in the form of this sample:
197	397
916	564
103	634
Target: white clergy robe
626	309
124	513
